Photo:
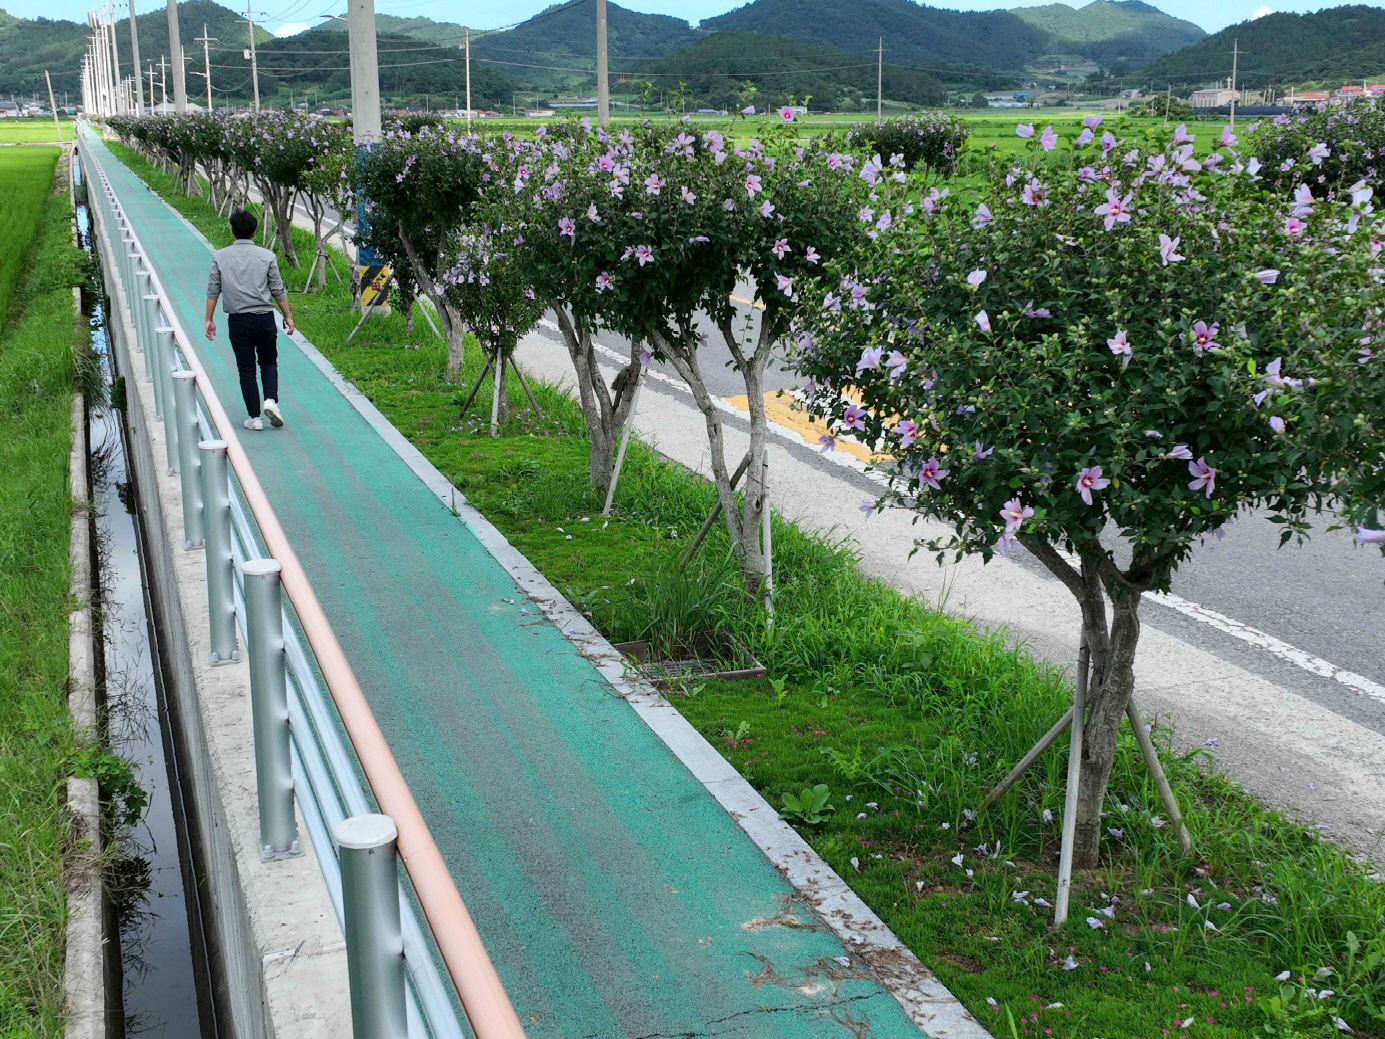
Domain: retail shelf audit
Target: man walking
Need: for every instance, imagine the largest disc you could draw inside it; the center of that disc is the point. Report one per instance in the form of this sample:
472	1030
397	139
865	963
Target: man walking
247	279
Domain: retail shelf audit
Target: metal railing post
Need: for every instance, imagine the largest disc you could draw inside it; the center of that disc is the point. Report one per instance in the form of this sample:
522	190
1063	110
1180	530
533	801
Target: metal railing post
264	638
216	514
374	941
182	417
154	348
144	287
164	403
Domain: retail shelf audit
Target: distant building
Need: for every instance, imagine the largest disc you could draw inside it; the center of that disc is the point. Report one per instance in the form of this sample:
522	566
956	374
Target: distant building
8	109
1376	89
1296	97
538	113
1351	90
1132	94
1214	98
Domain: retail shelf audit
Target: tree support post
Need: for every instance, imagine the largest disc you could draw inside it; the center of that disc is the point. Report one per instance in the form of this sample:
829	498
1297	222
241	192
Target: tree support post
712	516
624	442
1079	707
1161	781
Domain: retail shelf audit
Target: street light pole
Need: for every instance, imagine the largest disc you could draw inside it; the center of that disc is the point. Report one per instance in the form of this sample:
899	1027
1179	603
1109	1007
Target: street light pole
603	82
254	62
134	64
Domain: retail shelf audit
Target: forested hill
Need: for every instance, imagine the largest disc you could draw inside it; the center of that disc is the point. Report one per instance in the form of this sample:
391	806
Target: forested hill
715	72
1106	30
28	46
1111	30
444	33
566	37
913	33
1340	43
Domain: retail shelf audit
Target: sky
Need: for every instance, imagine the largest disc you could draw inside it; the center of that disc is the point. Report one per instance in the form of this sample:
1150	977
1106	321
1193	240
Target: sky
286	17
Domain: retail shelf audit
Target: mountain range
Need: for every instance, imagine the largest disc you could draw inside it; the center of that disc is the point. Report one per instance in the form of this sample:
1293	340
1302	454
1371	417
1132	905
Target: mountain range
780	47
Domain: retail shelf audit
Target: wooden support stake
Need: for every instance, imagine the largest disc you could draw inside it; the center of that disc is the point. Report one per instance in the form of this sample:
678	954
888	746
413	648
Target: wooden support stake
1161	781
716	511
1047	741
525	383
1079	707
499	381
485	369
624	442
382	294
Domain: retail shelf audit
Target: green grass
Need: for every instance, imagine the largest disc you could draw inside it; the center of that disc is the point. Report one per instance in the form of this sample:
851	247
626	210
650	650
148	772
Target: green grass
33	131
908	716
25	175
36	743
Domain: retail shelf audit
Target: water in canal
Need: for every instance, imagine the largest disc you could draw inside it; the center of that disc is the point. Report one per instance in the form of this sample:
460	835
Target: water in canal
153	882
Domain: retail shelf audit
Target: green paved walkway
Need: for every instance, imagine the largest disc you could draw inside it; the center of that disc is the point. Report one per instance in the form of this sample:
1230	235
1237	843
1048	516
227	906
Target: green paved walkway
610	888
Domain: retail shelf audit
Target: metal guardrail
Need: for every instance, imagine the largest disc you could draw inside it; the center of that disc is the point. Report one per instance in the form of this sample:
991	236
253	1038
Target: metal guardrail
397	989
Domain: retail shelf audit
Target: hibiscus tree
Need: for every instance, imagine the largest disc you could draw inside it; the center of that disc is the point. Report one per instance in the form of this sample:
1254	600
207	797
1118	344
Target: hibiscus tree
420	188
647	233
1112	391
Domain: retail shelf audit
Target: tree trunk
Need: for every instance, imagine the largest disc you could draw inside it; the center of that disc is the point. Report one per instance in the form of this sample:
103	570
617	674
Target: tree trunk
603	415
451	321
1112	680
743	521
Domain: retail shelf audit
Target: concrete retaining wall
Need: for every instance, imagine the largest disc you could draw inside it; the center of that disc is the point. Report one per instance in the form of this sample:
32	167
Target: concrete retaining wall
278	958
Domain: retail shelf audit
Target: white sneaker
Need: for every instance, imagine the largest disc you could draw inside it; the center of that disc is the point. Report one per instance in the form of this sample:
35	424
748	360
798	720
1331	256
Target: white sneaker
271	412
253	423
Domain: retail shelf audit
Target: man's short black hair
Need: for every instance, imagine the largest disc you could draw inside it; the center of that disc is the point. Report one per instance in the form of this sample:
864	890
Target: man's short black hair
243	224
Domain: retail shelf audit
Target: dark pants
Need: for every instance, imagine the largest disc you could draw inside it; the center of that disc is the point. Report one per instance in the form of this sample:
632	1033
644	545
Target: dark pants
253	336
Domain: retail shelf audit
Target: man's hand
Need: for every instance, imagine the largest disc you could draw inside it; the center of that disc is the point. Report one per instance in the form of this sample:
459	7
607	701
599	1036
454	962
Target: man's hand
210	328
288	323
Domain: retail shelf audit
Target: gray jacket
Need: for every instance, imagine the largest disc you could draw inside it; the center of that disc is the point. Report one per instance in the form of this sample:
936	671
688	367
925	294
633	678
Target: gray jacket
246	278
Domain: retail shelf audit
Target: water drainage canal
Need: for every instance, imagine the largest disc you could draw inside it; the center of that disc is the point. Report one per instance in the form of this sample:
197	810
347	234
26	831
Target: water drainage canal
153	878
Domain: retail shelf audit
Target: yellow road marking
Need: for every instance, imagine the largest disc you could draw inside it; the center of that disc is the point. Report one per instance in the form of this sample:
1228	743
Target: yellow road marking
748	302
782	410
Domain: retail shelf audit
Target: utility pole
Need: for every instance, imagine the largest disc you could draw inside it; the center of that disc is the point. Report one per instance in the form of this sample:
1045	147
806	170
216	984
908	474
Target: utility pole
134	63
1235	55
204	39
365	70
175	46
163	82
880	80
53	106
603	81
254	62
1168	100
115	53
151	86
468	80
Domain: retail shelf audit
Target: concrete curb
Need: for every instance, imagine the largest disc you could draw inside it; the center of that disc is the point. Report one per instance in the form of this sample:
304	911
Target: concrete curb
926	1000
84	969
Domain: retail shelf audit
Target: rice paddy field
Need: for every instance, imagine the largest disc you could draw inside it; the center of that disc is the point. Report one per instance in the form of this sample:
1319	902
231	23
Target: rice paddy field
37	750
32	131
25	175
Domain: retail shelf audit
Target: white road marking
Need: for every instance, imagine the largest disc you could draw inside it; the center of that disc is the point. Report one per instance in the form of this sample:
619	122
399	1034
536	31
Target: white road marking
1281	649
1228	625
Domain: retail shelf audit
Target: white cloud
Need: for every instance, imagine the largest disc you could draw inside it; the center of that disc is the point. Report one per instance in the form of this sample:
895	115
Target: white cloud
1261	11
294	28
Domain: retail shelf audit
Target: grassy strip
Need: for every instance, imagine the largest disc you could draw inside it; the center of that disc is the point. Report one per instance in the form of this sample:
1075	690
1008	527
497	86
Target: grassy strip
909	716
25	174
36	742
